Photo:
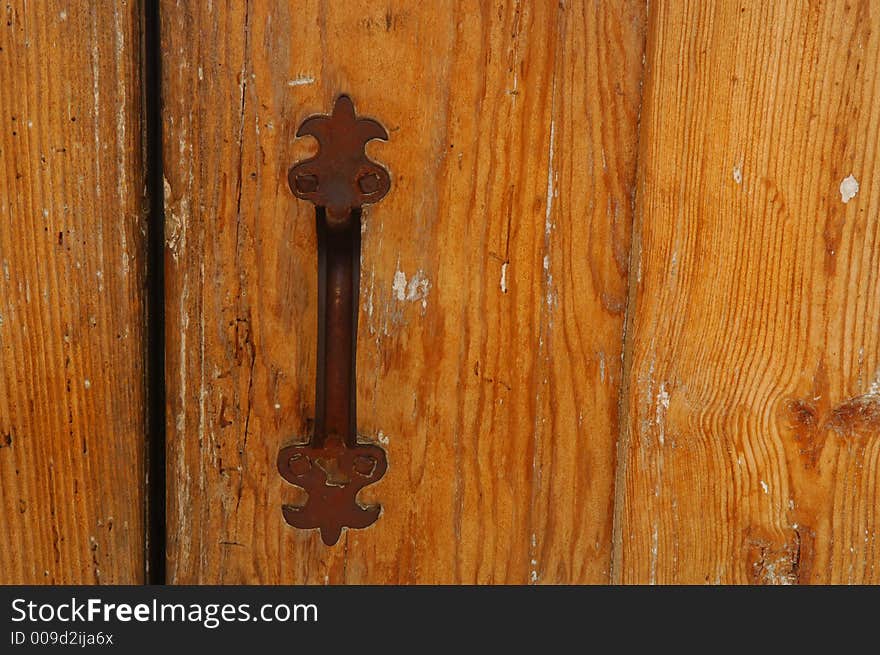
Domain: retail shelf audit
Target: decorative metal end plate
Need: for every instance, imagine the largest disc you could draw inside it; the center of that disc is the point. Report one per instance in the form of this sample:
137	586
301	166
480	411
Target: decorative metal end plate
332	475
340	177
334	466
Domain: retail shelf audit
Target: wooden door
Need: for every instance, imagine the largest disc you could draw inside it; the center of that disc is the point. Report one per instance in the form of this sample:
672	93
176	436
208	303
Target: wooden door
619	313
753	342
72	295
493	283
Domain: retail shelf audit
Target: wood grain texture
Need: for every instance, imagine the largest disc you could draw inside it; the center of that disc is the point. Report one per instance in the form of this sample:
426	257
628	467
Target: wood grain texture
493	282
751	453
71	293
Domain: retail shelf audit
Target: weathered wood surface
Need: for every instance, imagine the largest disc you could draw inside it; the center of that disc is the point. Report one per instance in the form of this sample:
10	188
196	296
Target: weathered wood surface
494	289
493	282
71	294
751	447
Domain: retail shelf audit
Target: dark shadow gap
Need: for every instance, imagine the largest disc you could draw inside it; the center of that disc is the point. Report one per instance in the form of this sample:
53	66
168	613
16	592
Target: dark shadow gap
155	355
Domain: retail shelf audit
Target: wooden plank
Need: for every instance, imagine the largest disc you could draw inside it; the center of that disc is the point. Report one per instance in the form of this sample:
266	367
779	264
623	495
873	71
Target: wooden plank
493	283
751	448
71	294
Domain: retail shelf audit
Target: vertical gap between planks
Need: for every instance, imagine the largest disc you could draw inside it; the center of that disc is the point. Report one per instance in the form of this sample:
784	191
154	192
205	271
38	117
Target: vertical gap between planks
155	314
624	392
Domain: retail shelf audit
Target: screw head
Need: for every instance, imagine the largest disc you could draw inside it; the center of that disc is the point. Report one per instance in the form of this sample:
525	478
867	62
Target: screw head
369	183
306	183
299	465
364	465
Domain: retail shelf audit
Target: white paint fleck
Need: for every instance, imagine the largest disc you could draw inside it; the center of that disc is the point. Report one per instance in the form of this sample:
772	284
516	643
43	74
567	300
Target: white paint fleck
660	413
849	187
418	288
201	74
765	488
552	192
174	226
87	383
370	300
277	405
655	542
180	421
551	296
550	178
383	438
96	109
738	174
504	277
874	389
415	290
63	15
533	541
302	80
399	285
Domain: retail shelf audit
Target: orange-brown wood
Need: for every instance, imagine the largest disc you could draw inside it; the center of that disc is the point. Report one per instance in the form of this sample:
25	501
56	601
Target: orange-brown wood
753	351
494	290
492	295
71	293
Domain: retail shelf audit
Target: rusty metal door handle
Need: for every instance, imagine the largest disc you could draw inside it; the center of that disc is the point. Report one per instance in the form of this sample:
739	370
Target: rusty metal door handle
333	466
